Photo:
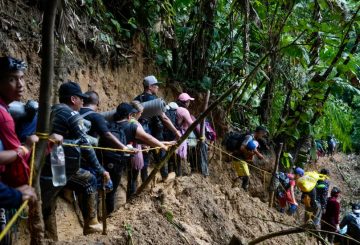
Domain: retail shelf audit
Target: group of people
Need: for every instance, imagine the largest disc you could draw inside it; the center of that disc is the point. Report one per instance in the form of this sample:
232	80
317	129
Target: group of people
325	146
77	125
321	210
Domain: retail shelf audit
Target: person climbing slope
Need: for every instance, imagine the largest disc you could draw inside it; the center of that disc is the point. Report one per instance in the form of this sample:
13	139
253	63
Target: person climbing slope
331	216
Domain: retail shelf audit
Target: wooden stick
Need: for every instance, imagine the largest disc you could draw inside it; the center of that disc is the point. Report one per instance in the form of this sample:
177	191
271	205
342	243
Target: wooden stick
276	167
47	75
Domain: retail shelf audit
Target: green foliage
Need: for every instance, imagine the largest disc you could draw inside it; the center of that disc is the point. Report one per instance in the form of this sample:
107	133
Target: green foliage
337	120
202	45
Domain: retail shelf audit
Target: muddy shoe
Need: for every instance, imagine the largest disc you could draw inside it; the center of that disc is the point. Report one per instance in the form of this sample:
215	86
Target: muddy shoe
89	229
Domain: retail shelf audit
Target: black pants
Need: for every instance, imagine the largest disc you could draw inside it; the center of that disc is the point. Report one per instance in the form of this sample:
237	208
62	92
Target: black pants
115	169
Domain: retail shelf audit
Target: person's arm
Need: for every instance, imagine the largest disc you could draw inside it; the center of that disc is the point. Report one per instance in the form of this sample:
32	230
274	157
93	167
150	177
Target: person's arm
9	197
259	155
148	139
76	124
292	190
100	126
8	156
337	213
110	137
167	122
10	140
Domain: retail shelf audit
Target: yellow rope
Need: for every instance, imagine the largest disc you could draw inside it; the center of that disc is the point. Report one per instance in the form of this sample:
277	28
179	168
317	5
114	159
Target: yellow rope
108	149
23	206
251	165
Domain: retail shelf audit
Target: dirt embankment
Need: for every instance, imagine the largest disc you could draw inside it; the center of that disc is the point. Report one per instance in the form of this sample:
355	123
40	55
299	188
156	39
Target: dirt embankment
115	73
188	210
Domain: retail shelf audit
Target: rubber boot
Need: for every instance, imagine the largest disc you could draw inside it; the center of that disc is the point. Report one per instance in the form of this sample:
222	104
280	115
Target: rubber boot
51	227
91	223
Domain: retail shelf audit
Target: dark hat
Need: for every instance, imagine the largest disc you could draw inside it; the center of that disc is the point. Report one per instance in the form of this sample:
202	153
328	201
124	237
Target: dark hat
261	128
9	64
70	89
124	110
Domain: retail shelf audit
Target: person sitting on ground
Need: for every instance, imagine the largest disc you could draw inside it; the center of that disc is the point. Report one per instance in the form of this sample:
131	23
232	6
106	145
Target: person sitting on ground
331	216
322	189
154	125
352	221
286	192
312	206
67	122
127	133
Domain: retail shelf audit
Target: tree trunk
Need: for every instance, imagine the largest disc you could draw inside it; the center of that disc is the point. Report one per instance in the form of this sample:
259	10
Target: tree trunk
47	74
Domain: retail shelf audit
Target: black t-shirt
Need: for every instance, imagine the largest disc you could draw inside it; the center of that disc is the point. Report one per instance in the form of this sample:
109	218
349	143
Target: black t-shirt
98	122
153	125
129	130
145	97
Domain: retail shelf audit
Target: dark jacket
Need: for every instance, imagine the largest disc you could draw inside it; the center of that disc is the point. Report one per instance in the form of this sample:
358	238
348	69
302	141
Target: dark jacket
352	221
9	197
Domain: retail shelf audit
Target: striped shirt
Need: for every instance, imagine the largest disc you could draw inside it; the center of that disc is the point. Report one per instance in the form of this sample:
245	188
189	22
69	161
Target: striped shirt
70	125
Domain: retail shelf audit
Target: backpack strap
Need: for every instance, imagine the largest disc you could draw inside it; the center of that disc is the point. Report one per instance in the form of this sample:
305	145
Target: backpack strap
87	113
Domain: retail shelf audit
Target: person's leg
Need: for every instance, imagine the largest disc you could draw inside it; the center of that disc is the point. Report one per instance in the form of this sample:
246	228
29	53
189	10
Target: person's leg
157	158
316	207
85	183
144	170
49	194
115	171
245	183
178	170
132	178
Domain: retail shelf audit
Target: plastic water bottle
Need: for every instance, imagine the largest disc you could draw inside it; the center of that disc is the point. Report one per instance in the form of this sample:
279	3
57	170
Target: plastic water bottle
58	166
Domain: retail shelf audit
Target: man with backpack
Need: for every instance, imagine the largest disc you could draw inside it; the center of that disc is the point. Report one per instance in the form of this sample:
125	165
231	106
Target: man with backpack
352	221
306	182
322	189
98	123
286	192
67	122
127	133
154	125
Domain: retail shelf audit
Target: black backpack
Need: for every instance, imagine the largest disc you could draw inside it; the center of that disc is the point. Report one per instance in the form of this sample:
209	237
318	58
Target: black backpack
233	140
172	115
118	130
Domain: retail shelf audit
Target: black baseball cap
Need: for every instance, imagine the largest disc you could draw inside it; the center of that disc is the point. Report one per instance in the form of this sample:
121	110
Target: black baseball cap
261	129
9	64
125	109
71	88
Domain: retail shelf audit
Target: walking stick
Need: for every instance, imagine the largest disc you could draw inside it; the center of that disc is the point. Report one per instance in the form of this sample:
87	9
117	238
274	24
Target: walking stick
103	201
